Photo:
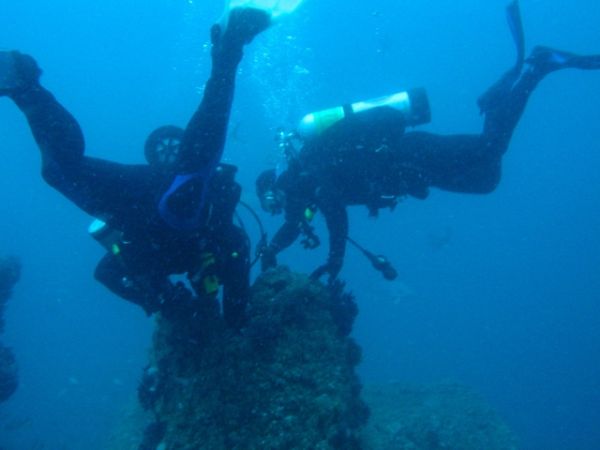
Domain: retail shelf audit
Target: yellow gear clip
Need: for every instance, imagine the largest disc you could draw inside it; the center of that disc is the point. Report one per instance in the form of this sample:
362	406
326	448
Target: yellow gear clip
210	284
210	281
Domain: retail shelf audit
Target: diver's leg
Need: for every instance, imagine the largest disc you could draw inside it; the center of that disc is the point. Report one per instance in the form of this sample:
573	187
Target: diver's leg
473	163
55	130
515	25
124	193
204	138
503	104
470	163
99	187
456	163
544	60
507	104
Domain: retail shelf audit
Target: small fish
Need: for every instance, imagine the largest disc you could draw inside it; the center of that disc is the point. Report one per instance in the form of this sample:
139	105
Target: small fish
438	241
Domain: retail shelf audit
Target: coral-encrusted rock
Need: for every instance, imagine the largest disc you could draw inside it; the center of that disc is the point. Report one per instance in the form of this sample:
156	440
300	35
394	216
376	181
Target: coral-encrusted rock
287	381
445	416
10	270
8	373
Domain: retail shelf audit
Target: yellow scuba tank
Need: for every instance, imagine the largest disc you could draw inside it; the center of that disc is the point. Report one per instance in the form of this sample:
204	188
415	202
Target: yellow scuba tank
413	104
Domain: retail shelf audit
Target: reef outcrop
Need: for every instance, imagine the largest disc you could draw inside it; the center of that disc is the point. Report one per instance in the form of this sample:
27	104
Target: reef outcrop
10	270
435	417
286	381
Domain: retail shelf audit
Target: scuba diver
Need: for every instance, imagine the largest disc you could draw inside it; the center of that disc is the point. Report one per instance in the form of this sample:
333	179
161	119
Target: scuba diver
359	154
172	216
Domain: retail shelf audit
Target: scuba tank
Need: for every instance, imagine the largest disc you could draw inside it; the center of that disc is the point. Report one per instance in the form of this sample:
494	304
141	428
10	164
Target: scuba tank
413	104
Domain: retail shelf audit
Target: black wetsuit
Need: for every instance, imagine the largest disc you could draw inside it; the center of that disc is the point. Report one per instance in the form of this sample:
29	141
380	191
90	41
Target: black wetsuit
140	271
165	214
368	159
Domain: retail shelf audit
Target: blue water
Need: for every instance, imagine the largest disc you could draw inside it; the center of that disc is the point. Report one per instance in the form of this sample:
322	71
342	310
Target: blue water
509	305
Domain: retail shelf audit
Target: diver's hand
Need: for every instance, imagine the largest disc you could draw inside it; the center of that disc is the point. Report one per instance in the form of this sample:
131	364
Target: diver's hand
310	242
268	258
332	267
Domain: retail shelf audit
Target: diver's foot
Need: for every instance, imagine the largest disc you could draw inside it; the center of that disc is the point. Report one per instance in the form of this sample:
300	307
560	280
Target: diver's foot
18	72
544	60
244	24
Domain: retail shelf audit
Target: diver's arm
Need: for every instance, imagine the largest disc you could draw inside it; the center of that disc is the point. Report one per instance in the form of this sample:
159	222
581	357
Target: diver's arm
336	218
337	225
287	233
285	236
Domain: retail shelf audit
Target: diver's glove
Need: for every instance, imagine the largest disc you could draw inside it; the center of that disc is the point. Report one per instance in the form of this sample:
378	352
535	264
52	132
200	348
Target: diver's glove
268	258
332	267
311	240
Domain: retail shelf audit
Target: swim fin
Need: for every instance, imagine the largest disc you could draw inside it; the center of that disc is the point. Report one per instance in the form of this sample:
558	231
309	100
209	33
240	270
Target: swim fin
17	72
243	24
513	17
506	82
274	8
544	60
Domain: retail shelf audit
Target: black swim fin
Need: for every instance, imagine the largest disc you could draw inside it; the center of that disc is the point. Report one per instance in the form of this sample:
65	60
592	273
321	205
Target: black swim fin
513	16
544	60
499	89
244	24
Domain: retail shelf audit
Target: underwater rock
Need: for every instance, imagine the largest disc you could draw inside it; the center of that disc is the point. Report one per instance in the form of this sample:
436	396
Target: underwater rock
8	373
10	271
447	416
286	381
130	431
